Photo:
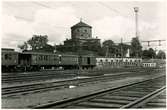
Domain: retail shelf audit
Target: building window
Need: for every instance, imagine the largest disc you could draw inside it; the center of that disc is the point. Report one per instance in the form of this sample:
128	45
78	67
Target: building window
85	30
77	30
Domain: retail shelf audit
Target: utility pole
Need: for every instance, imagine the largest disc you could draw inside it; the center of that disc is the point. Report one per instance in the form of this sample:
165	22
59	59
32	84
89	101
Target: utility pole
136	9
121	49
107	51
121	52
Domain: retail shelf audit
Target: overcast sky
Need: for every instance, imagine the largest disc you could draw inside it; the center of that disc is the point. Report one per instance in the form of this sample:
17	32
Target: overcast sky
110	20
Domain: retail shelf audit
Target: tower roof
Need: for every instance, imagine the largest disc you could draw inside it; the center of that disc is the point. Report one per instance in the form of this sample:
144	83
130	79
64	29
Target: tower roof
81	24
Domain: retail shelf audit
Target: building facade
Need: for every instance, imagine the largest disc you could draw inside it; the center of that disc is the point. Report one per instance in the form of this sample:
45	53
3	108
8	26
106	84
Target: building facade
81	38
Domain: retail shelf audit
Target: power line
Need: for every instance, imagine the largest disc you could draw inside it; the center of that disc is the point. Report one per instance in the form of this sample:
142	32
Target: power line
23	18
148	42
40	4
114	10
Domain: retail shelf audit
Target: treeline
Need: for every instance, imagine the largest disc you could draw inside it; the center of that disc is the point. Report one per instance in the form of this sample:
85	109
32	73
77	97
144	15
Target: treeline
108	48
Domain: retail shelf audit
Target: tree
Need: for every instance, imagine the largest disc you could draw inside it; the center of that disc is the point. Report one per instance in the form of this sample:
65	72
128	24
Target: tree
123	49
23	46
38	42
136	48
161	55
150	53
109	48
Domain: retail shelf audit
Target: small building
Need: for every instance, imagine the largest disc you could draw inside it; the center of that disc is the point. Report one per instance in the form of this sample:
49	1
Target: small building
154	63
118	62
149	64
7	49
81	38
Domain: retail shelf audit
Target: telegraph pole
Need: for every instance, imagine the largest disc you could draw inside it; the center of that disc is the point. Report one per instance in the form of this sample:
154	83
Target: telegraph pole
121	49
107	51
136	9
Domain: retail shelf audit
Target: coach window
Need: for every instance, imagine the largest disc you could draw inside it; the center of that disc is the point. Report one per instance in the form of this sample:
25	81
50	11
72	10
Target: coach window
46	57
60	57
36	57
39	57
55	58
8	57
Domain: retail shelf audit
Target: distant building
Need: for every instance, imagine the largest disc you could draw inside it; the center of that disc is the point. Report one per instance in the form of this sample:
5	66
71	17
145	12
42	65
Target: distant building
118	62
154	63
7	49
81	38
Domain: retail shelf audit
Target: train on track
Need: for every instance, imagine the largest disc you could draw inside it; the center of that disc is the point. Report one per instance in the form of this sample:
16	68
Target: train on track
34	61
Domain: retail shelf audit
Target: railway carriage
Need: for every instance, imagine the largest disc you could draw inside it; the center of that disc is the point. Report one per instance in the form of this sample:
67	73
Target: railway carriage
9	60
30	61
68	61
36	60
87	61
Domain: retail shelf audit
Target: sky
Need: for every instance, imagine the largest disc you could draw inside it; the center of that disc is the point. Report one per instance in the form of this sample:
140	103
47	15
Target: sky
109	19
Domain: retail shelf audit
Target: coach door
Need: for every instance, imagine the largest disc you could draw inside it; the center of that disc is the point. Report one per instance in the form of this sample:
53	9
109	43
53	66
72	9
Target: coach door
88	60
25	59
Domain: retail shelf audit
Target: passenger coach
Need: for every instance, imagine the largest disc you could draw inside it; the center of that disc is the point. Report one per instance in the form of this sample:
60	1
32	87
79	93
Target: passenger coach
9	59
34	61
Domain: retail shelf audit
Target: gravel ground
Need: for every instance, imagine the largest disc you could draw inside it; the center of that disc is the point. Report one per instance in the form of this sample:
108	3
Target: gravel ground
31	100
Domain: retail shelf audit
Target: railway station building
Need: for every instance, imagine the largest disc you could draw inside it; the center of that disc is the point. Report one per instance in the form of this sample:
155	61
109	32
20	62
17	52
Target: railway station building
81	38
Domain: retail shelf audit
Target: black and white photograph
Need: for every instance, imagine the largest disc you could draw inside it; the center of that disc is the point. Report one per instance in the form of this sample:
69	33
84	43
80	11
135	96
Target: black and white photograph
80	54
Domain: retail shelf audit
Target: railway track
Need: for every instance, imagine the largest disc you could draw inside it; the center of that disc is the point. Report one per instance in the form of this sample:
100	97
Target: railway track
13	78
40	87
39	76
146	94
